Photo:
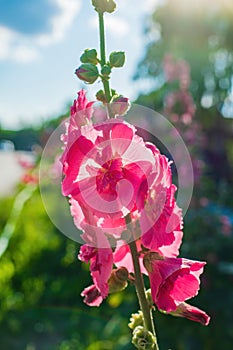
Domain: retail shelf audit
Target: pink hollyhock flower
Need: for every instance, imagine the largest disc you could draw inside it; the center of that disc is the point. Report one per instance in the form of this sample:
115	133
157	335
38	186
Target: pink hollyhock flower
161	220
172	280
97	251
176	71
89	223
101	263
105	166
120	105
80	114
192	313
161	224
77	212
81	111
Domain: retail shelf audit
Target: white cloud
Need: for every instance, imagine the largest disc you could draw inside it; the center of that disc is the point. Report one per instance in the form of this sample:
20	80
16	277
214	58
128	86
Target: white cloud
22	48
24	54
14	46
61	22
116	26
6	37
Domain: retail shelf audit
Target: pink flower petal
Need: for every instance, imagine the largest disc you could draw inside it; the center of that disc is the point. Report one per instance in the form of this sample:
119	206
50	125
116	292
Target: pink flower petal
122	257
121	137
192	313
92	296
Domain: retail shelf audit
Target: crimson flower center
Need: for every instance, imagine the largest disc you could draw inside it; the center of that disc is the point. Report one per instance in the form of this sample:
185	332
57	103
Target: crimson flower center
107	178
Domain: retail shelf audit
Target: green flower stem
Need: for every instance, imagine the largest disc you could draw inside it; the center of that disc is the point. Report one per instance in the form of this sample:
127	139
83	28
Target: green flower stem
140	288
103	59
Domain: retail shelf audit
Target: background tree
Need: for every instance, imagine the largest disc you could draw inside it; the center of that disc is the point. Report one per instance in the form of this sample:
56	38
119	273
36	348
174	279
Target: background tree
200	33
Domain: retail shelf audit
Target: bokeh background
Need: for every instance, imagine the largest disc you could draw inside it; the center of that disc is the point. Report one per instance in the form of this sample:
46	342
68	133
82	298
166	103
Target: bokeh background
179	63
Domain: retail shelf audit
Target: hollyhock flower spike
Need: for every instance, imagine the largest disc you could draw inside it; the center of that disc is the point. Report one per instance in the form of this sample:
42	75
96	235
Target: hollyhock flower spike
122	199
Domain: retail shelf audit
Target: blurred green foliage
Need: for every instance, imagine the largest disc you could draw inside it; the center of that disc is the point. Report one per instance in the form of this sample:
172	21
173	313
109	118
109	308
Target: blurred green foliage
41	281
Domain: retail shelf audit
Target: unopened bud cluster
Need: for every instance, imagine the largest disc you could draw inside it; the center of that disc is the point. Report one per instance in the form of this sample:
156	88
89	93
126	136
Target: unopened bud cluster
89	72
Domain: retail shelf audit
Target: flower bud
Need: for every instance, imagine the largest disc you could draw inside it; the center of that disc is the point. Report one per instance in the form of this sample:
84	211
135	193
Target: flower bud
118	280
117	59
143	339
89	56
87	72
104	5
136	320
100	96
120	105
106	71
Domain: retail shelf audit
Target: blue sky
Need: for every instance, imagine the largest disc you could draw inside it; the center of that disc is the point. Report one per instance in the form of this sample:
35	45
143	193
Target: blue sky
40	45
